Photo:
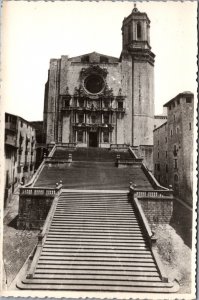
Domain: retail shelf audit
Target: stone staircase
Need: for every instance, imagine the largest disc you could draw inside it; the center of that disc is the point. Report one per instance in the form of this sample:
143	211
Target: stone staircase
93	175
91	154
95	242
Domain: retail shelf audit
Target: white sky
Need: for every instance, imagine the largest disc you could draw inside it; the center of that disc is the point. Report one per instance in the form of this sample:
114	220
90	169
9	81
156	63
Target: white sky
35	32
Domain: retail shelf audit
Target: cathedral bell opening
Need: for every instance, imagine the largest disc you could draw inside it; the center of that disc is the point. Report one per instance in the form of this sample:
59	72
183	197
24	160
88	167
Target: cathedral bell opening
93	142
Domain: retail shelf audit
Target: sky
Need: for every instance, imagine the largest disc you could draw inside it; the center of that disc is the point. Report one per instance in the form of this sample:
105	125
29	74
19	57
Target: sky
35	32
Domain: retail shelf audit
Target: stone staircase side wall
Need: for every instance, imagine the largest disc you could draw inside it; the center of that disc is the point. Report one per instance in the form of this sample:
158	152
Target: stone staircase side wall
158	210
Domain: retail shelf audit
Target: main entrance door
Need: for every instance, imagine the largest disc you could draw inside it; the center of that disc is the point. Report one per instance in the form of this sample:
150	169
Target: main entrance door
93	139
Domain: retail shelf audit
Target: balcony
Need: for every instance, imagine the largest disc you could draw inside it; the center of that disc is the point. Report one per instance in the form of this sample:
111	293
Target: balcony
96	124
9	126
10	140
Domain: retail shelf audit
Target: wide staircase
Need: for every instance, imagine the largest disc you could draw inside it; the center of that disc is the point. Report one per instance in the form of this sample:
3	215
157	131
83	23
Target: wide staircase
93	175
95	242
91	154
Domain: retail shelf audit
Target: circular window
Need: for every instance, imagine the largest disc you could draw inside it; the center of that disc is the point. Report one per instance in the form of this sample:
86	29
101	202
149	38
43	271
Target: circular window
94	84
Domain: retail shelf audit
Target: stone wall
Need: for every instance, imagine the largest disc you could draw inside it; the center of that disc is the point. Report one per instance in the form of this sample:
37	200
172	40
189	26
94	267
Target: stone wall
33	211
157	211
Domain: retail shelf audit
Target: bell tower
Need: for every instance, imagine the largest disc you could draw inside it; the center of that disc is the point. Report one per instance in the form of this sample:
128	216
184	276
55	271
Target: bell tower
136	46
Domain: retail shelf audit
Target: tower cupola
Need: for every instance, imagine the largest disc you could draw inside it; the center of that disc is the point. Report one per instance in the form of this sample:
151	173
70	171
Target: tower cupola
136	30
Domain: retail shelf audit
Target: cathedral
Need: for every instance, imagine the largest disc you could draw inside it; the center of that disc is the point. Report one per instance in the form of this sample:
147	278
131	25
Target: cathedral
96	100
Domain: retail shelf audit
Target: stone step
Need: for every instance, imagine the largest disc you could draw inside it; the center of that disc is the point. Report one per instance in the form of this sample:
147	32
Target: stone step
91	277
82	272
136	267
95	242
96	209
94	230
121	223
93	233
32	285
104	245
99	214
99	226
88	217
93	195
92	238
95	262
95	250
80	255
71	228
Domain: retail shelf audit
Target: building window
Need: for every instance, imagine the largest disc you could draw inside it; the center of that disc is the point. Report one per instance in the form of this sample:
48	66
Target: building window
106	136
169	107
166	167
81	118
166	153
93	119
106	119
171	132
189	126
188	100
67	103
175	163
158	167
174	117
173	104
139	30
178	101
165	139
80	136
175	152
158	142
6	118
81	103
106	104
158	154
120	105
103	59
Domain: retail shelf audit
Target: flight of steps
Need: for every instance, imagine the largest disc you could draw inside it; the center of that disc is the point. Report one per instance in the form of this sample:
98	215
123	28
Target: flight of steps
91	154
93	175
95	243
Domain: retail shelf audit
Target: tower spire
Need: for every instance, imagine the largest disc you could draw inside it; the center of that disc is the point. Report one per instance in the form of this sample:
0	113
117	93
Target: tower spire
135	8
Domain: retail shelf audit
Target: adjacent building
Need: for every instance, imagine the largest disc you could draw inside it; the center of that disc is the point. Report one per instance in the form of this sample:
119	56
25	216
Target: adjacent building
173	146
95	100
20	141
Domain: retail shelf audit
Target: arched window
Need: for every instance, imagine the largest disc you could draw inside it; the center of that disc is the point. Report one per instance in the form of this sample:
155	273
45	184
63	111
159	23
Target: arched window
139	31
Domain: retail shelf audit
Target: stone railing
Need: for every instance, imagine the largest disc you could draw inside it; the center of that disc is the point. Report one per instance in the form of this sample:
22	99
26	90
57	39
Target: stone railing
66	145
42	237
140	193
119	147
127	162
41	192
151	239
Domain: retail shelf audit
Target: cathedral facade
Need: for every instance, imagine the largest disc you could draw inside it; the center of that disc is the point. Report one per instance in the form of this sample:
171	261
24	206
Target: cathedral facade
95	100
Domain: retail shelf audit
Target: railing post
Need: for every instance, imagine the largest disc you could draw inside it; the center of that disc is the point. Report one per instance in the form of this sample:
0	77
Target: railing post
132	190
70	159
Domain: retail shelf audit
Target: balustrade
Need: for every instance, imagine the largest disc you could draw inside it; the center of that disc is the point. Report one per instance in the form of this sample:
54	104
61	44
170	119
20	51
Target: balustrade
138	193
